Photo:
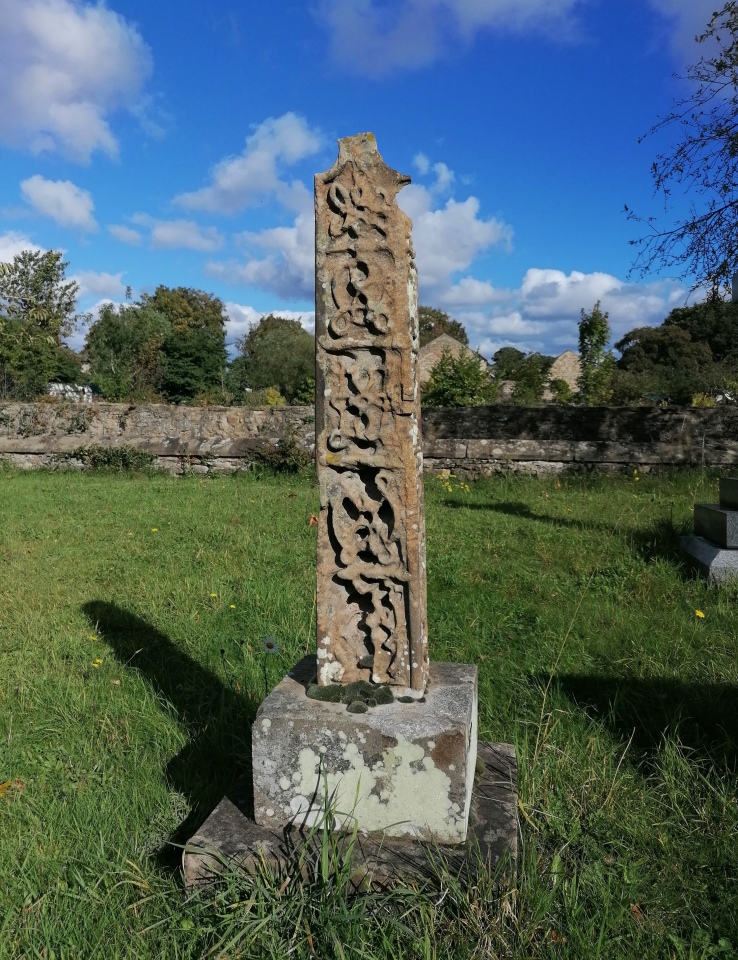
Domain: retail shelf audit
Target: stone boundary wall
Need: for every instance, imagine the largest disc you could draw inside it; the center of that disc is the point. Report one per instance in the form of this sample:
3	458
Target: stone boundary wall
471	442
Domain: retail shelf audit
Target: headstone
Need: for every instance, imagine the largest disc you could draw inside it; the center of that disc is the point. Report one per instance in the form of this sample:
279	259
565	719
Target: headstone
366	732
713	549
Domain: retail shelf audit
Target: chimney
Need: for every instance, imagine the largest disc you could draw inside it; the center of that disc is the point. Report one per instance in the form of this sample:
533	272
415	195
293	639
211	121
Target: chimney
735	288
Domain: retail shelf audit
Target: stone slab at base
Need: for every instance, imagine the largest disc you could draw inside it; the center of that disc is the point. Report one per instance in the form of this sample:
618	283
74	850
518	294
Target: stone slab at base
717	524
718	565
229	839
400	769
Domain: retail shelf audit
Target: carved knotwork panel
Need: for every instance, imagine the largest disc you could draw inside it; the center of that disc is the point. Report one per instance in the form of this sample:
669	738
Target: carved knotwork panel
371	545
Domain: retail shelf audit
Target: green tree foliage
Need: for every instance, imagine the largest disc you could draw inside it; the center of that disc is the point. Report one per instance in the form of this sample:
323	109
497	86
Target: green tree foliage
276	352
560	390
704	245
530	376
714	322
123	347
37	308
434	322
597	363
459	382
170	346
664	361
506	362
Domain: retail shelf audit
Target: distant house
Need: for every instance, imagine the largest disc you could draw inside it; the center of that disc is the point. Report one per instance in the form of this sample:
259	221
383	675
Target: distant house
432	352
565	367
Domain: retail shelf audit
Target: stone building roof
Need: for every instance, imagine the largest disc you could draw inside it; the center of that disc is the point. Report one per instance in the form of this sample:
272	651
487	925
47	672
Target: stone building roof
566	367
432	352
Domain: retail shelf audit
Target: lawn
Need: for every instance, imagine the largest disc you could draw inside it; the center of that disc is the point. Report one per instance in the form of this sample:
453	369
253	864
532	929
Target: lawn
133	609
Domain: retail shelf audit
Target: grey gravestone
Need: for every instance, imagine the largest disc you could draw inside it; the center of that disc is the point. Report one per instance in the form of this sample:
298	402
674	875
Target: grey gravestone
713	549
369	734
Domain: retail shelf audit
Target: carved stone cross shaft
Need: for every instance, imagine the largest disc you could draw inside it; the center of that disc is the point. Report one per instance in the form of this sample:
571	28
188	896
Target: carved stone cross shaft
371	599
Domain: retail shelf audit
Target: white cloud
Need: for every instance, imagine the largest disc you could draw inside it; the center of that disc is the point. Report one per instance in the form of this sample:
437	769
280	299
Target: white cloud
12	243
100	284
241	317
125	234
409	34
62	200
183	234
543	312
447	239
684	20
65	65
241	181
287	270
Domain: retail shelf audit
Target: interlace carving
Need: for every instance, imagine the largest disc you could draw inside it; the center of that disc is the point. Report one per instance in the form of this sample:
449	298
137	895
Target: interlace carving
371	548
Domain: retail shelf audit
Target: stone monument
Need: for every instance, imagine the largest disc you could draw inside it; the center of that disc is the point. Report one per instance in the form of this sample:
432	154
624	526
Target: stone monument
368	732
713	549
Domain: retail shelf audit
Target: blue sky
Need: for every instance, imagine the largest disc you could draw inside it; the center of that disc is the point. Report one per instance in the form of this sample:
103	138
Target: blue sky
176	144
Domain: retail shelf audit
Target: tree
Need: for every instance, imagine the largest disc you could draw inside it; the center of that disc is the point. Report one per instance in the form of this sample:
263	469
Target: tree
506	362
704	244
530	378
459	382
276	352
663	361
434	322
37	308
714	322
193	352
596	361
123	347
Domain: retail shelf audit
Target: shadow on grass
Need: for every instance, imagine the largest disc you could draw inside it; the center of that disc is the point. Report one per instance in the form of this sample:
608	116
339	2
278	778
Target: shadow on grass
703	717
524	511
661	541
216	718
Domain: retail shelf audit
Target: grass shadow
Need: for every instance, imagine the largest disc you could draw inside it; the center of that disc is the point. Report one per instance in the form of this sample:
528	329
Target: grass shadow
217	719
524	511
703	717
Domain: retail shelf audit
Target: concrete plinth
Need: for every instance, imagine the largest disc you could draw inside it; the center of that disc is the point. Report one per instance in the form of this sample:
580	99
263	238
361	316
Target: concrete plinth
229	838
398	769
717	524
718	565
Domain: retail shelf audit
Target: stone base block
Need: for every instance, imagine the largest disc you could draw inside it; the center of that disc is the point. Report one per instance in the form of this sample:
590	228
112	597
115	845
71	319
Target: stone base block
716	524
398	769
719	566
229	838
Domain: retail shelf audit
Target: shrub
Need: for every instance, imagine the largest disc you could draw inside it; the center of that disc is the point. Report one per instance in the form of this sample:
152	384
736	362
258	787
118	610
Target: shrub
111	458
288	456
459	382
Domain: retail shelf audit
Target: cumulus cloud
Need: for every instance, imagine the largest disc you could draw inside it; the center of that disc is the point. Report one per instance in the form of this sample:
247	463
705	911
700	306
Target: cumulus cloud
125	234
280	260
242	317
448	238
542	314
683	21
65	66
13	243
182	234
409	34
99	284
62	200
239	182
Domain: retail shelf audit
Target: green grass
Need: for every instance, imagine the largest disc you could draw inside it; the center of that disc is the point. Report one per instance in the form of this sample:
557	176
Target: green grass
570	597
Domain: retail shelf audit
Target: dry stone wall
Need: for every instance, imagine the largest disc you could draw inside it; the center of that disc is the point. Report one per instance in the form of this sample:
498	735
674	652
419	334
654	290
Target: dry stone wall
473	442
